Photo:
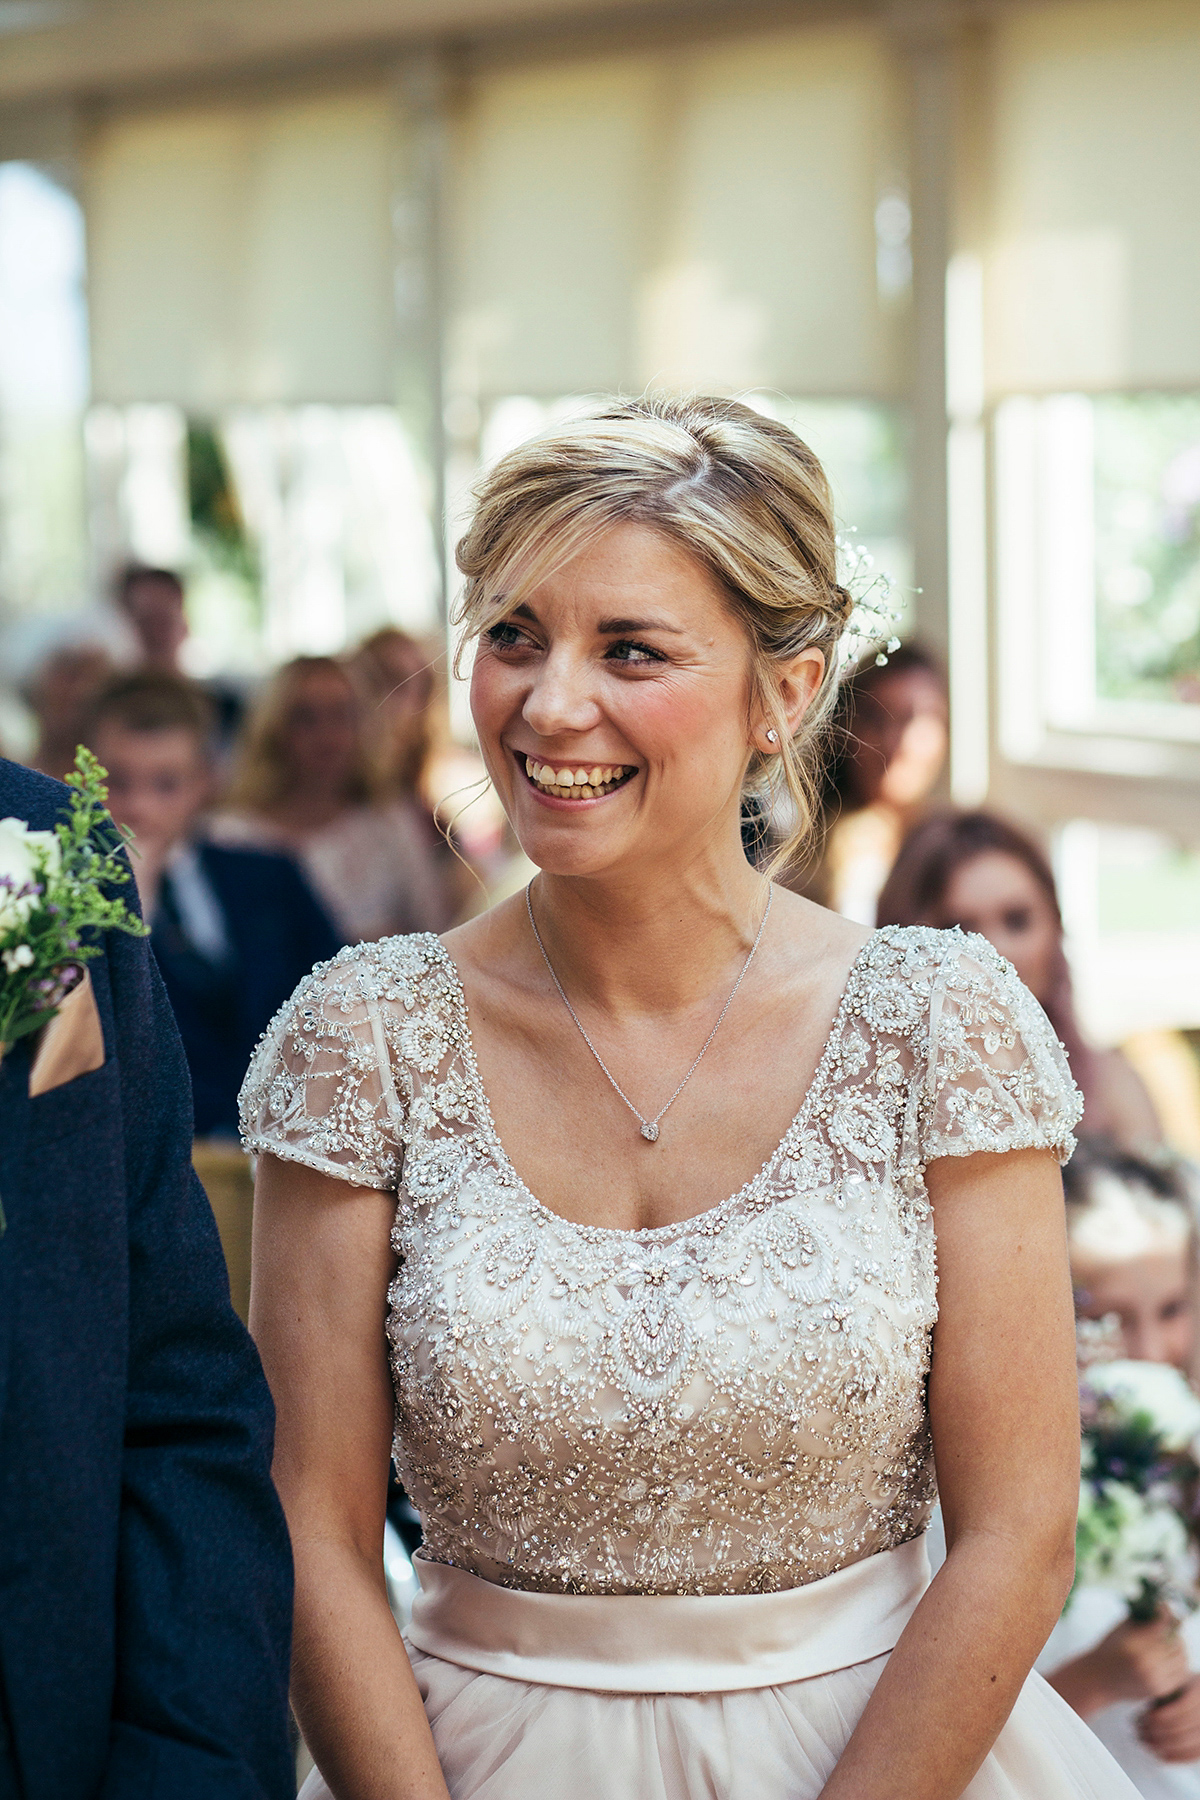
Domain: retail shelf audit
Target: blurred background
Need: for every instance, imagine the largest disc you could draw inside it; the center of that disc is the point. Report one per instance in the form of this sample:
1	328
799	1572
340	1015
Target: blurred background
277	280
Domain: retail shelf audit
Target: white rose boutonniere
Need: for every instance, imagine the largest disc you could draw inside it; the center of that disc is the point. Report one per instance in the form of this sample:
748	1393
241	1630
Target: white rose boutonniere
56	898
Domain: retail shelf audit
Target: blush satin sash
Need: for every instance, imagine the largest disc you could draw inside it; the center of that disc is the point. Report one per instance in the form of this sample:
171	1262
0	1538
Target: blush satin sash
669	1643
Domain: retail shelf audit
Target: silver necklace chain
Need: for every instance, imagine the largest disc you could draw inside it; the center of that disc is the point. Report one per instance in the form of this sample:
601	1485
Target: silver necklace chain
649	1126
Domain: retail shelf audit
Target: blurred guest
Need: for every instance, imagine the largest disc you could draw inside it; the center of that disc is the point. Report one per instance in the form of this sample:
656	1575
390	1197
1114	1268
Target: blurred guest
1131	1234
889	737
59	693
978	871
152	603
399	680
303	783
397	677
233	930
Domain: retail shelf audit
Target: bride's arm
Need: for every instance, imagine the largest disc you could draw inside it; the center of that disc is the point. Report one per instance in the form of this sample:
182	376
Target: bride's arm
1005	1413
322	1263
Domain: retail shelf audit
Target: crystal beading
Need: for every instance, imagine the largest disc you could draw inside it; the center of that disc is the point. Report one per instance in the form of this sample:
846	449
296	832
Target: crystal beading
732	1404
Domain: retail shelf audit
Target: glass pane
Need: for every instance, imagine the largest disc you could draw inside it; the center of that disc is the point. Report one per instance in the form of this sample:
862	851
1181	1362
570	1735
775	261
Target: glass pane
43	381
297	529
862	446
1147	525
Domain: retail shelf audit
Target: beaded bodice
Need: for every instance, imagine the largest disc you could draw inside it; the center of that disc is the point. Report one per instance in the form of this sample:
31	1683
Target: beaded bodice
730	1404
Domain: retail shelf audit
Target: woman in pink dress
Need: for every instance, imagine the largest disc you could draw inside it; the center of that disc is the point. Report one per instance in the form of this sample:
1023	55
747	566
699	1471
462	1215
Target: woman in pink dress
304	783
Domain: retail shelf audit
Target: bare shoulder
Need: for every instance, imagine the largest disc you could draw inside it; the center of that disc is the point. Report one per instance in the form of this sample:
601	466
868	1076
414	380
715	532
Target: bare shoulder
813	935
492	945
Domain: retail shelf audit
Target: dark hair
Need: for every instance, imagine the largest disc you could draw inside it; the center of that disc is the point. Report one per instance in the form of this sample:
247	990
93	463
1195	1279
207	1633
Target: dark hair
133	572
937	848
915	891
153	701
1094	1159
859	688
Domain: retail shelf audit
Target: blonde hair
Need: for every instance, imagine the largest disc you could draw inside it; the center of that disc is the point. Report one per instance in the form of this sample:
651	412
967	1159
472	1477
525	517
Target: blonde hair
263	777
739	492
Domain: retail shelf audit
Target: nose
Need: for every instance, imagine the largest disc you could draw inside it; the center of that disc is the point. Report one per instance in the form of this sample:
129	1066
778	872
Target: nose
560	697
1144	1340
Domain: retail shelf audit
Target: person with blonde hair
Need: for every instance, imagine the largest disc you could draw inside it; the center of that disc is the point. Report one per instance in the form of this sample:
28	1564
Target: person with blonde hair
398	678
302	783
612	1215
402	683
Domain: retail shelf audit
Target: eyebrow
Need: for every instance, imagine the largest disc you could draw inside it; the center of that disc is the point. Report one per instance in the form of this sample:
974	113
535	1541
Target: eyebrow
619	627
608	627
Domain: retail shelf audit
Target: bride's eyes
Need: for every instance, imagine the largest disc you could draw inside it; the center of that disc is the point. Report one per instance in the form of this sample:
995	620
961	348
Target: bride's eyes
507	636
634	655
626	651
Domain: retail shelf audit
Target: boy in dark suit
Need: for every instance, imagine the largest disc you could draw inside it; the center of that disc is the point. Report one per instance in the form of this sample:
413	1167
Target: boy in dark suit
233	930
145	1575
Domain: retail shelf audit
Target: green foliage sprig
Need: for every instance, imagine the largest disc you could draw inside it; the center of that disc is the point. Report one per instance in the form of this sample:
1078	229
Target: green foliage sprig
56	899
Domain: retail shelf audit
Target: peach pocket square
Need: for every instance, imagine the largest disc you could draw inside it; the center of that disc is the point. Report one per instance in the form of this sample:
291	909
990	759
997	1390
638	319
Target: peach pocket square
70	1044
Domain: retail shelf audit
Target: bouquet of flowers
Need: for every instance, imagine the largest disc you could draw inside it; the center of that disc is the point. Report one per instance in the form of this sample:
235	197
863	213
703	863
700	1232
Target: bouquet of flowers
55	894
1141	1478
54	887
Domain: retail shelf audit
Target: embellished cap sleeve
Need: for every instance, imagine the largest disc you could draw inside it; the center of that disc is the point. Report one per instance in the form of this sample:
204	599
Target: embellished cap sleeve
998	1078
320	1089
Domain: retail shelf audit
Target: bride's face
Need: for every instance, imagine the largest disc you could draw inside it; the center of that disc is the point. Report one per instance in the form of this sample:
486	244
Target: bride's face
613	708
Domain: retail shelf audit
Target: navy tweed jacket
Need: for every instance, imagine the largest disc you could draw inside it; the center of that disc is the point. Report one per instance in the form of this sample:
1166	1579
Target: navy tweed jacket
145	1573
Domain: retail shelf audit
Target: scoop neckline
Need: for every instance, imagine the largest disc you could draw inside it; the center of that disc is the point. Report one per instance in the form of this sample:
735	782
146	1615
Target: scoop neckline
678	1227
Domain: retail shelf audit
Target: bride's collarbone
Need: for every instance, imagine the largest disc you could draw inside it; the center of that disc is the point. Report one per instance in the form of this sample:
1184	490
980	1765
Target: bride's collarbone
580	1151
578	1147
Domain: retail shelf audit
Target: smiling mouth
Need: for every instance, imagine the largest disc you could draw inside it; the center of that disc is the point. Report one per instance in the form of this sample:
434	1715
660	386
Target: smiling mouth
577	781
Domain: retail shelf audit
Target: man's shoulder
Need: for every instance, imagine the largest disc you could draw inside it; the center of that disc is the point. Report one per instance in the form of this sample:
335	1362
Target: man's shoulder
260	882
27	794
238	863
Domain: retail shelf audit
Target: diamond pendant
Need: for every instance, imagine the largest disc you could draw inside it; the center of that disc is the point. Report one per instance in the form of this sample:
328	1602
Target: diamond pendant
650	1131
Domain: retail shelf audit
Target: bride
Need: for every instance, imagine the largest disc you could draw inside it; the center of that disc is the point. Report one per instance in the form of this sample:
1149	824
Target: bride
671	1423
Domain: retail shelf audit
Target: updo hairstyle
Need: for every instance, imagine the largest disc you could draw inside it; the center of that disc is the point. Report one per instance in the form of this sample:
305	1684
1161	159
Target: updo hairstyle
739	492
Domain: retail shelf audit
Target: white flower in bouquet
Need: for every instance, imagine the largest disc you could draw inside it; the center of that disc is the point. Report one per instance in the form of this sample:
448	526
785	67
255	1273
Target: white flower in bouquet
1133	1544
1156	1392
26	859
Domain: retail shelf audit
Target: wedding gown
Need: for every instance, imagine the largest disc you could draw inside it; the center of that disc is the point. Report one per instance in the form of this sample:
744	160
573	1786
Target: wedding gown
673	1482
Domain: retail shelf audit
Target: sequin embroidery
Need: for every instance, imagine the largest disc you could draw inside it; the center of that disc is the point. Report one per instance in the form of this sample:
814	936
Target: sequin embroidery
735	1403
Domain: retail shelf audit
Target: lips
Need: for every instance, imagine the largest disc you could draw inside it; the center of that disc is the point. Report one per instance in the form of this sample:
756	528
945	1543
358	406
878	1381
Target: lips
576	781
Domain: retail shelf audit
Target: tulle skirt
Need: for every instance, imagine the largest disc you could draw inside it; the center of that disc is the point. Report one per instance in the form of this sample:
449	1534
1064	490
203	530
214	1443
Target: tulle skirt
687	1698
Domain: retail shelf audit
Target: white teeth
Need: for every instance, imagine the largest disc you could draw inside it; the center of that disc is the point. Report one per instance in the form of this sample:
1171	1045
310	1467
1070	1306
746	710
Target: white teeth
588	784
